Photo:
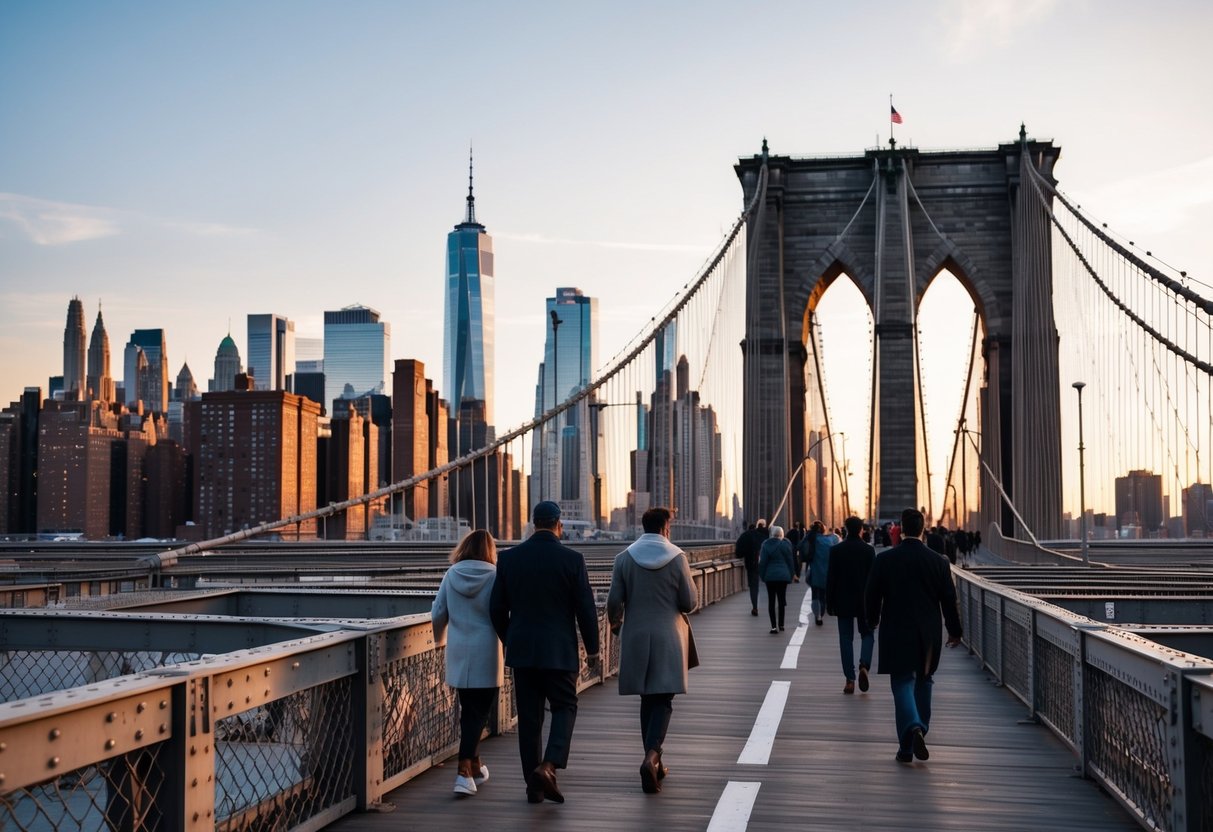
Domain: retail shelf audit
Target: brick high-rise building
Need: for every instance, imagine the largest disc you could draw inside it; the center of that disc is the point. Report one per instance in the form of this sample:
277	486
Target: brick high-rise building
1198	510
438	415
411	434
166	505
256	460
75	453
346	474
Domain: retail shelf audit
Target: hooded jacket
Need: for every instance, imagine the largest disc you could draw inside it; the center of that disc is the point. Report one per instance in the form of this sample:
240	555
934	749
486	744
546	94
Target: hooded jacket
651	589
460	615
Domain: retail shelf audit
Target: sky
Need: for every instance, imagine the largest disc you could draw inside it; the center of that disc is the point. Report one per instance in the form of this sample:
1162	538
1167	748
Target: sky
189	164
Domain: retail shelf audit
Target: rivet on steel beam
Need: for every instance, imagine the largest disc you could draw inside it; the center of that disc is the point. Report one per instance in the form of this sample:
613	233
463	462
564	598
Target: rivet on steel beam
196	816
194	783
141	707
294	665
229	682
111	716
248	677
231	705
52	762
55	733
267	693
139	734
247	700
3	745
163	728
267	671
1	779
163	704
110	744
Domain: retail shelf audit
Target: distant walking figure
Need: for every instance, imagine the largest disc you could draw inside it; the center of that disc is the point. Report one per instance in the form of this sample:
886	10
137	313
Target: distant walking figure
541	598
461	621
850	565
651	593
818	567
746	551
777	567
910	586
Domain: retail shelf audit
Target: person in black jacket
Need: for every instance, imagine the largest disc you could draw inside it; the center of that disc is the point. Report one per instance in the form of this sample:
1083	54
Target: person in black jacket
850	565
908	589
746	550
541	598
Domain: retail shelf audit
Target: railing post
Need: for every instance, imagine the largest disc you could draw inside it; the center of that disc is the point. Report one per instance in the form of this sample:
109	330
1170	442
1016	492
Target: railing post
1183	756
367	718
1080	706
1032	664
189	802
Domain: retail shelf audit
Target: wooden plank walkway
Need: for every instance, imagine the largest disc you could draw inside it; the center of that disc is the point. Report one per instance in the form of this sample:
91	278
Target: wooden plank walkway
831	766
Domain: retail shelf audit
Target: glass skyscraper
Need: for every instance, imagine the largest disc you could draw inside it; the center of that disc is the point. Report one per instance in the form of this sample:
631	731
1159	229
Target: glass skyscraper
569	359
357	351
156	383
468	331
271	351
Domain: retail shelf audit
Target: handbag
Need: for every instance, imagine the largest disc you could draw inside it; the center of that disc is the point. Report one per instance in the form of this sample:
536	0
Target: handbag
692	653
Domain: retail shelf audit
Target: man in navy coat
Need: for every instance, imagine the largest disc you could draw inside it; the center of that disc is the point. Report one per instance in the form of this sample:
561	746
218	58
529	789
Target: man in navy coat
540	599
908	588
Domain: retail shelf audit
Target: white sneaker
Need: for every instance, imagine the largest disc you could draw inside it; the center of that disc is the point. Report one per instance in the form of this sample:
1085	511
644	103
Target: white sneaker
483	775
464	785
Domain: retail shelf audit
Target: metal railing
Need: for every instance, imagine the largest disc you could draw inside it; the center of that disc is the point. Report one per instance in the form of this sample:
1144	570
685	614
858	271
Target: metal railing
1025	552
1138	716
283	736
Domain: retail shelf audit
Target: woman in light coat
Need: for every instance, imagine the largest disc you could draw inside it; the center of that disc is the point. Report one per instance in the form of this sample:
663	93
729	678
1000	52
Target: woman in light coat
651	592
473	651
776	568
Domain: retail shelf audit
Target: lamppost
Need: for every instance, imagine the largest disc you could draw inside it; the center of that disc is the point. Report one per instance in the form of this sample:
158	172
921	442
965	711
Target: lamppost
556	322
1082	480
796	473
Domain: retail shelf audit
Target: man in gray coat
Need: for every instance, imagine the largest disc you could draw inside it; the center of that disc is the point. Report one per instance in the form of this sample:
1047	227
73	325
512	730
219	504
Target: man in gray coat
651	592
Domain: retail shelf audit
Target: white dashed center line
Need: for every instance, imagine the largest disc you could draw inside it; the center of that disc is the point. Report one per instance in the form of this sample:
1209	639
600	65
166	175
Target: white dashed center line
733	809
757	749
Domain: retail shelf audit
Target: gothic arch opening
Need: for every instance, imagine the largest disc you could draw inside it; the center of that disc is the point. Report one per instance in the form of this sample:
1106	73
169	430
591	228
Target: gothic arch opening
950	328
839	321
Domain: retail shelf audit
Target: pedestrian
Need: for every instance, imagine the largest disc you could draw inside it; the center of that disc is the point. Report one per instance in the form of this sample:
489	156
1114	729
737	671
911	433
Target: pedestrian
651	594
461	622
850	565
541	598
962	545
934	539
776	565
894	533
909	588
746	551
819	569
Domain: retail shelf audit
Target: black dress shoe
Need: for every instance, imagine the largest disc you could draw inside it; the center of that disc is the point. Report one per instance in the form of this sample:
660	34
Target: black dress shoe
904	757
533	795
543	779
919	744
650	781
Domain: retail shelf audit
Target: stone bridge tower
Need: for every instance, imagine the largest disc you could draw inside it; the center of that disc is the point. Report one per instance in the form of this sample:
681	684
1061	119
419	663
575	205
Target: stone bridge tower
892	219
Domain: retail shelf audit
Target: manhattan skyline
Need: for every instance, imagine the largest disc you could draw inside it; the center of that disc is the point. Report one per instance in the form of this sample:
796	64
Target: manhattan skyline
319	164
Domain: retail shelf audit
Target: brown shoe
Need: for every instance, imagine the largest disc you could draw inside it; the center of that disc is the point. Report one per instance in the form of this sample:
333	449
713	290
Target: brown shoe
849	687
650	782
543	780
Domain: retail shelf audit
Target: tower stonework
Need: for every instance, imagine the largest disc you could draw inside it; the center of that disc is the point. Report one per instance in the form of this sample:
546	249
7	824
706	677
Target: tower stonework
892	219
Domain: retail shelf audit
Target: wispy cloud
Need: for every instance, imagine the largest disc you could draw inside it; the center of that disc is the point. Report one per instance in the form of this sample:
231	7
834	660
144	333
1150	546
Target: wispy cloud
969	27
544	240
47	222
1154	202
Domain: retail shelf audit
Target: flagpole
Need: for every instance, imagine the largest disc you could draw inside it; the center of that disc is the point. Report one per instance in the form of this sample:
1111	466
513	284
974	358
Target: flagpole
891	122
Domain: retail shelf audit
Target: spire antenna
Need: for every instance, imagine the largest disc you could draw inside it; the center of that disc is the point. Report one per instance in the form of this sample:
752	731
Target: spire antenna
471	217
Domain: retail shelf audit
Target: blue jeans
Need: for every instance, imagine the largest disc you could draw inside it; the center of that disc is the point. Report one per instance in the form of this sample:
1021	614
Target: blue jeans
911	704
846	645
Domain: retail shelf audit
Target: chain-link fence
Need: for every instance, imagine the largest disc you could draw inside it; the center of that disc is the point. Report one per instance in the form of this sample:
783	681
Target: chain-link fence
123	793
27	673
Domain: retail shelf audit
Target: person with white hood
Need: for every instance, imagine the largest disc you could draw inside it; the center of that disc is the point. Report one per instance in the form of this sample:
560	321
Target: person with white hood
474	665
651	593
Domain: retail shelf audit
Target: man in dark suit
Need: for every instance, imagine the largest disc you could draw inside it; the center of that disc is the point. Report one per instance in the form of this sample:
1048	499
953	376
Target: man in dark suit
746	550
541	597
850	565
910	586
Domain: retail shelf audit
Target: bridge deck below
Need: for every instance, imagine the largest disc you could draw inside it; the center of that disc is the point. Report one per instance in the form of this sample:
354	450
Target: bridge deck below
831	766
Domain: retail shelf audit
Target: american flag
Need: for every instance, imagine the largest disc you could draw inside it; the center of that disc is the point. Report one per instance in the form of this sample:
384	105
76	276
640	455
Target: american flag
894	116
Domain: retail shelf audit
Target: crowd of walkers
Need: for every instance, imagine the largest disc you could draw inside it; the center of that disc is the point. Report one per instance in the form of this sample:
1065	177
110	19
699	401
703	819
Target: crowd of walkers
526	608
902	593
